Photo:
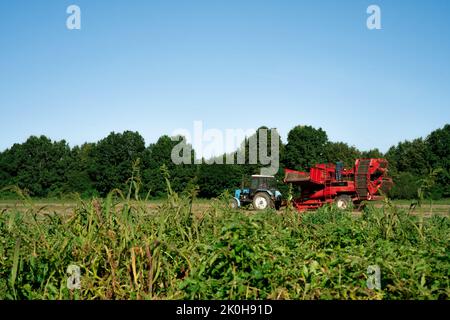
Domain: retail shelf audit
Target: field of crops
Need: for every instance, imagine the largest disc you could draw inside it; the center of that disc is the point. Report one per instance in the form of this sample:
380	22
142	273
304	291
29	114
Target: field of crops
126	251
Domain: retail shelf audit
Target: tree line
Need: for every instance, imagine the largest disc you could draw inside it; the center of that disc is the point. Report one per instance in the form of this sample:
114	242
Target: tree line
45	168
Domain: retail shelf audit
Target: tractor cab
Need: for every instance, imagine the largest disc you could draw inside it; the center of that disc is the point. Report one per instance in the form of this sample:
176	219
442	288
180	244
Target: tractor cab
259	182
261	191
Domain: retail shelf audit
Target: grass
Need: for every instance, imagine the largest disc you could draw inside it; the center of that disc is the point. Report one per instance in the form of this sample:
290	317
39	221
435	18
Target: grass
126	251
63	201
445	201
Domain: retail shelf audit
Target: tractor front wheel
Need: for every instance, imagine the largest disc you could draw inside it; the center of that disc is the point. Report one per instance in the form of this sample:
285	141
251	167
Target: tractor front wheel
234	204
262	201
343	201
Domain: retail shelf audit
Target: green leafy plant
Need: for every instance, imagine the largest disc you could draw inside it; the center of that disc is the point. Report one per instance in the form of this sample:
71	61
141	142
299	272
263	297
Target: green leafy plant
129	249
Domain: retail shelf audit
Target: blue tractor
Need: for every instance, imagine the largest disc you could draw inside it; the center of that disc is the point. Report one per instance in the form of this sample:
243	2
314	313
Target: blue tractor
262	193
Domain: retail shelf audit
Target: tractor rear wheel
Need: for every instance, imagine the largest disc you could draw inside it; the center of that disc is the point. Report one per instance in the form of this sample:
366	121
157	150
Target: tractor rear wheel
262	201
343	201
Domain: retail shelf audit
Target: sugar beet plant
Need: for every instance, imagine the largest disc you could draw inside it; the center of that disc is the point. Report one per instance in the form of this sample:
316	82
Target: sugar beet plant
127	250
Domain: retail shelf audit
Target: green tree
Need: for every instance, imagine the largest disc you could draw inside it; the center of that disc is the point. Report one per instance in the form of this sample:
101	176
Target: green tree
372	154
214	179
159	154
112	159
413	160
255	168
410	156
77	172
5	177
305	147
405	186
38	165
341	151
438	143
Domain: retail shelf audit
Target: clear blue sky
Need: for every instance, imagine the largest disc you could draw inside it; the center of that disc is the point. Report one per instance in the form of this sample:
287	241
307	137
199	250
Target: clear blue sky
156	66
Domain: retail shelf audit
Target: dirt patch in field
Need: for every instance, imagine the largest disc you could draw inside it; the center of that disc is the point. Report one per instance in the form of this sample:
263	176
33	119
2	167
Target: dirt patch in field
197	208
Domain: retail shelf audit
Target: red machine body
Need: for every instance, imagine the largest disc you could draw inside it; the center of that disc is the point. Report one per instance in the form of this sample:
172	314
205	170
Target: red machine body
320	186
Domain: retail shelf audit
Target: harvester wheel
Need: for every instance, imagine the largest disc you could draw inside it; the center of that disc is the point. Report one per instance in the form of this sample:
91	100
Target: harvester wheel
343	201
262	201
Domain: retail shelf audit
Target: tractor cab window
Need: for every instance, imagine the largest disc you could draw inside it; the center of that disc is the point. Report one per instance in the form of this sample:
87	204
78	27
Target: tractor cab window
263	183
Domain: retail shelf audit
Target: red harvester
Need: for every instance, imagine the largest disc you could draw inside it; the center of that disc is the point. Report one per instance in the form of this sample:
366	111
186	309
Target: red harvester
323	184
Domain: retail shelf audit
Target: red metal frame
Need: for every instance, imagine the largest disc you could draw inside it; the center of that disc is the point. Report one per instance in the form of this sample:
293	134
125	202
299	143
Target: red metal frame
319	186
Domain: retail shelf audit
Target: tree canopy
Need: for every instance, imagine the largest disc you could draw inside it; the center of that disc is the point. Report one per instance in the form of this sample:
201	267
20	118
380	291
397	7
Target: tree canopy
305	147
46	168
